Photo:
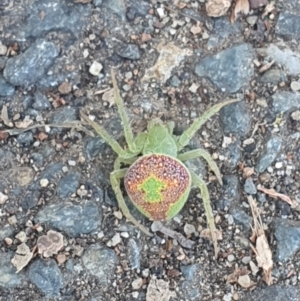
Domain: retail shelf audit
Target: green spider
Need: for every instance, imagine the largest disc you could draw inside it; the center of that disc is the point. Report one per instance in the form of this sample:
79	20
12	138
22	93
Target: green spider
157	181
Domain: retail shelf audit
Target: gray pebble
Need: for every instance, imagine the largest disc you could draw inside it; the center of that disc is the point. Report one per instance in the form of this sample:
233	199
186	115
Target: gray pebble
100	262
46	276
128	51
236	119
68	184
230	69
269	154
250	187
41	102
287	233
6	89
72	219
23	69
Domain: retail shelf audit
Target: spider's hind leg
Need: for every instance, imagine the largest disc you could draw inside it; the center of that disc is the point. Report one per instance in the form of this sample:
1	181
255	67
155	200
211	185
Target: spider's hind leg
115	177
197	181
206	156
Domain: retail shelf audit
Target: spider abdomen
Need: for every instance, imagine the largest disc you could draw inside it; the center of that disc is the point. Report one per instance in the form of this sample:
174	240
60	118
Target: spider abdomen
158	185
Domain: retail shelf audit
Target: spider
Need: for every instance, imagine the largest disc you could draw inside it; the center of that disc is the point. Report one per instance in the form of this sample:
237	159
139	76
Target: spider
157	181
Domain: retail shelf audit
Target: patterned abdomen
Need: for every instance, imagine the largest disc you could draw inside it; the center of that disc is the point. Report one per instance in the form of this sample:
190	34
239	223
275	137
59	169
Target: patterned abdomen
158	185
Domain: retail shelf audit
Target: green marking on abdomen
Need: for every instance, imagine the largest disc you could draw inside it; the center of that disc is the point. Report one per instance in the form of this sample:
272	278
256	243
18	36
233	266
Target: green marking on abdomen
152	188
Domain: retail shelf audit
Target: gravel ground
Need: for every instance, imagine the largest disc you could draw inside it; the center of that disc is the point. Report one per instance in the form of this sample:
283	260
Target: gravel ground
172	61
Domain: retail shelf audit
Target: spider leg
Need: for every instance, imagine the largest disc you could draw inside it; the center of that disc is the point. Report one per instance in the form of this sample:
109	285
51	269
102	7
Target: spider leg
206	156
103	134
197	181
115	177
121	108
118	161
188	134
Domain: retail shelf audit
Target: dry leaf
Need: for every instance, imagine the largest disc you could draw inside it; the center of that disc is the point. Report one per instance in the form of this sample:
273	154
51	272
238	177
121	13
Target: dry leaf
262	249
266	67
258	3
233	277
109	97
268	9
241	6
158	226
274	194
217	8
205	233
22	257
158	289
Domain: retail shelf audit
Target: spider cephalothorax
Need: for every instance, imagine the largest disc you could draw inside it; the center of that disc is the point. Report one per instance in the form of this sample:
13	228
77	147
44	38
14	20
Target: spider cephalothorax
157	181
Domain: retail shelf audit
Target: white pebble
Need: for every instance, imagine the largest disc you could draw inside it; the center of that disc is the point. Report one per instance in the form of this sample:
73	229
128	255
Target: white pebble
278	165
230	258
3	198
295	86
3	49
125	234
116	239
71	162
44	182
137	283
95	68
189	229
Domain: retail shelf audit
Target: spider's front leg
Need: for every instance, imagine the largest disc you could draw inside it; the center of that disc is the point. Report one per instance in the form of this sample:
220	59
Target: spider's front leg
115	177
206	156
197	181
188	134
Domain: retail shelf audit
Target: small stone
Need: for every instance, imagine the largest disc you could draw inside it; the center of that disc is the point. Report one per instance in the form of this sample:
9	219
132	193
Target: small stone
85	53
295	86
230	219
72	162
116	239
262	102
252	20
278	165
21	236
44	182
135	295
8	241
189	229
3	49
3	198
246	259
296	115
12	220
161	12
145	273
118	214
65	88
61	258
125	234
249	186
230	258
137	283
128	75
126	87
193	88
95	68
